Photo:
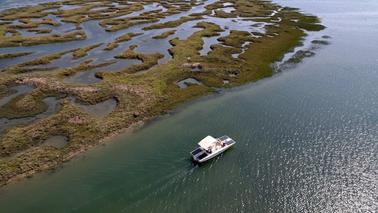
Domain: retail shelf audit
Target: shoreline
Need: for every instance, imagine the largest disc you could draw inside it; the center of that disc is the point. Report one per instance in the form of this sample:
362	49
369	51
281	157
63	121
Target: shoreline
141	96
77	153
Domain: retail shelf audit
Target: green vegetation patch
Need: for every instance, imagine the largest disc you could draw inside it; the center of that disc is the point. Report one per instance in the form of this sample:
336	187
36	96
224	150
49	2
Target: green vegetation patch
83	66
79	53
28	65
122	38
148	60
165	34
236	38
44	39
40	31
171	24
25	105
223	14
13	55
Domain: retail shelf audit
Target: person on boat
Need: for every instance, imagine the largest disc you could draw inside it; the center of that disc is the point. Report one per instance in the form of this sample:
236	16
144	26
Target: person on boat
209	150
220	143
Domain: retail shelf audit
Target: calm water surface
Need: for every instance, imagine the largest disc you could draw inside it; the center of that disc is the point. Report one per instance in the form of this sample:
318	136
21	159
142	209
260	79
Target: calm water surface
6	4
307	141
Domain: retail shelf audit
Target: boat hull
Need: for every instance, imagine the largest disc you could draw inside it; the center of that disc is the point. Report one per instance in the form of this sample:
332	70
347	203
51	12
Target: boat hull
214	154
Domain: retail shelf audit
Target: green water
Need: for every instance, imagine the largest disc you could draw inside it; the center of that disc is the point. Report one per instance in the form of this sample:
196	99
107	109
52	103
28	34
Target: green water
307	141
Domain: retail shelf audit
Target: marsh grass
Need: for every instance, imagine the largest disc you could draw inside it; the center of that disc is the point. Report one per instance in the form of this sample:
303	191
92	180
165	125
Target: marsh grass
142	91
165	34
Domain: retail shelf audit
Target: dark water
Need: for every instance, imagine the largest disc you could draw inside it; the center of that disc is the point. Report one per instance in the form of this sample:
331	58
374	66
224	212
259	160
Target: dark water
307	141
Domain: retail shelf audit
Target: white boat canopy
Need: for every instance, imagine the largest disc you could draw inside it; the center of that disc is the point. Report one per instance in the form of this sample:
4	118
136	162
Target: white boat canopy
207	142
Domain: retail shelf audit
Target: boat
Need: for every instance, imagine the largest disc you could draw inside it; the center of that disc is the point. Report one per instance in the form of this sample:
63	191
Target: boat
209	147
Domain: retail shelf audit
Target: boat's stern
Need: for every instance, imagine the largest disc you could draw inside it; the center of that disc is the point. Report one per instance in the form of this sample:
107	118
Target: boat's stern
198	154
